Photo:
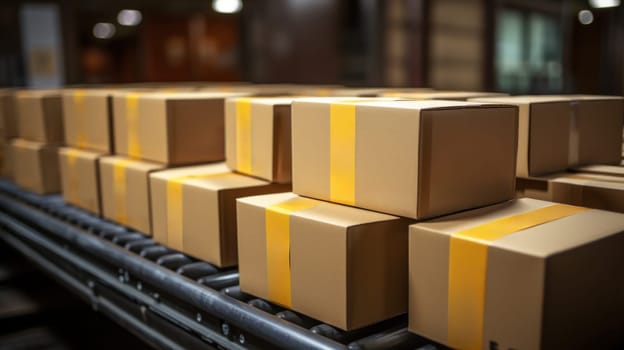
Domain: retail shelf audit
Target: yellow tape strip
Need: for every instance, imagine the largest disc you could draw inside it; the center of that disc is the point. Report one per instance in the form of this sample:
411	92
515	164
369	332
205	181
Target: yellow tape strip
277	226
81	115
243	135
342	153
468	270
175	207
119	188
72	192
132	119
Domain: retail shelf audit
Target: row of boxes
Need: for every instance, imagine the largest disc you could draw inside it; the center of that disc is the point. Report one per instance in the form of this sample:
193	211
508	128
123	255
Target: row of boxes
499	275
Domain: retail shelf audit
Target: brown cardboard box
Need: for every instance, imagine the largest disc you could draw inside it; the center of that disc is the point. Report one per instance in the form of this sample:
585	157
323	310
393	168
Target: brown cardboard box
543	133
524	274
194	209
87	118
80	181
440	95
610	170
8	118
358	92
40	115
35	166
173	128
416	159
6	159
124	186
341	265
257	137
588	190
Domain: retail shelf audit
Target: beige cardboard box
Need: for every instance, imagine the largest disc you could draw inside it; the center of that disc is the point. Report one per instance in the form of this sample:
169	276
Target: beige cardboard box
416	159
524	274
194	209
35	166
588	190
40	115
357	92
341	265
440	95
124	186
80	181
88	119
543	133
172	128
8	117
257	137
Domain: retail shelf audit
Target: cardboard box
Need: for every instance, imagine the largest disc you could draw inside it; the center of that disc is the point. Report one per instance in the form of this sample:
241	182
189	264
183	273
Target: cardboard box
124	186
35	166
340	265
6	159
173	128
543	133
87	118
440	95
80	181
416	159
194	209
525	274
8	118
257	137
358	92
40	115
588	190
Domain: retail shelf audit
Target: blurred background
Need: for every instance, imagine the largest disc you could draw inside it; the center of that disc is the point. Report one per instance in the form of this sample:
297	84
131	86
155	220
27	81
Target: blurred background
514	46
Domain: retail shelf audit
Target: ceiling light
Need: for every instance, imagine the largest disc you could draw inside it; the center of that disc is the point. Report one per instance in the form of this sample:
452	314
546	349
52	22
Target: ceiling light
129	17
227	6
103	30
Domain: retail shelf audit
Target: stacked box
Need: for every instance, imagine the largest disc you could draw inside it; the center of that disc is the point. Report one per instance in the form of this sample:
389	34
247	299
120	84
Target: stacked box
8	130
346	266
526	274
40	133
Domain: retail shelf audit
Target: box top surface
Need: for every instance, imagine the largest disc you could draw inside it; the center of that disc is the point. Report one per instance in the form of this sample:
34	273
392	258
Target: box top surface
605	169
272	101
409	104
80	152
442	94
541	240
36	93
330	213
190	170
225	181
131	163
521	99
33	145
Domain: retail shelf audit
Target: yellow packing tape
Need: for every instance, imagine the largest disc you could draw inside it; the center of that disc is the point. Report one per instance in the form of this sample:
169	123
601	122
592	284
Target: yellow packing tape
342	153
81	115
119	188
72	192
277	229
132	125
175	205
243	135
468	270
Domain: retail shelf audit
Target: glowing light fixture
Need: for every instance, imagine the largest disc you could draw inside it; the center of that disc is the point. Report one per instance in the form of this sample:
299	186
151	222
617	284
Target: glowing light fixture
599	4
129	17
227	6
585	17
104	30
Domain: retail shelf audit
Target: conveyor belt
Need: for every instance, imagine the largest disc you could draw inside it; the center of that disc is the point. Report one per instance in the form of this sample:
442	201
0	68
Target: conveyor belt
170	300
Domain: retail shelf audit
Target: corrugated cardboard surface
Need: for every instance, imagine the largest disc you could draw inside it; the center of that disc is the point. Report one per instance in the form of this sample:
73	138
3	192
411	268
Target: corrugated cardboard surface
416	159
134	192
208	213
172	128
87	118
543	133
158	193
40	115
80	181
348	265
588	190
555	285
269	149
8	118
35	166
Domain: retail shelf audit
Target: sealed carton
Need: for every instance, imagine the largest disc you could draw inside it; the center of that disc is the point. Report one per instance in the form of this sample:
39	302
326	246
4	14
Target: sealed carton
80	181
588	190
543	133
257	137
341	265
194	209
524	274
40	115
440	95
172	128
416	159
124	185
8	117
88	119
35	166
